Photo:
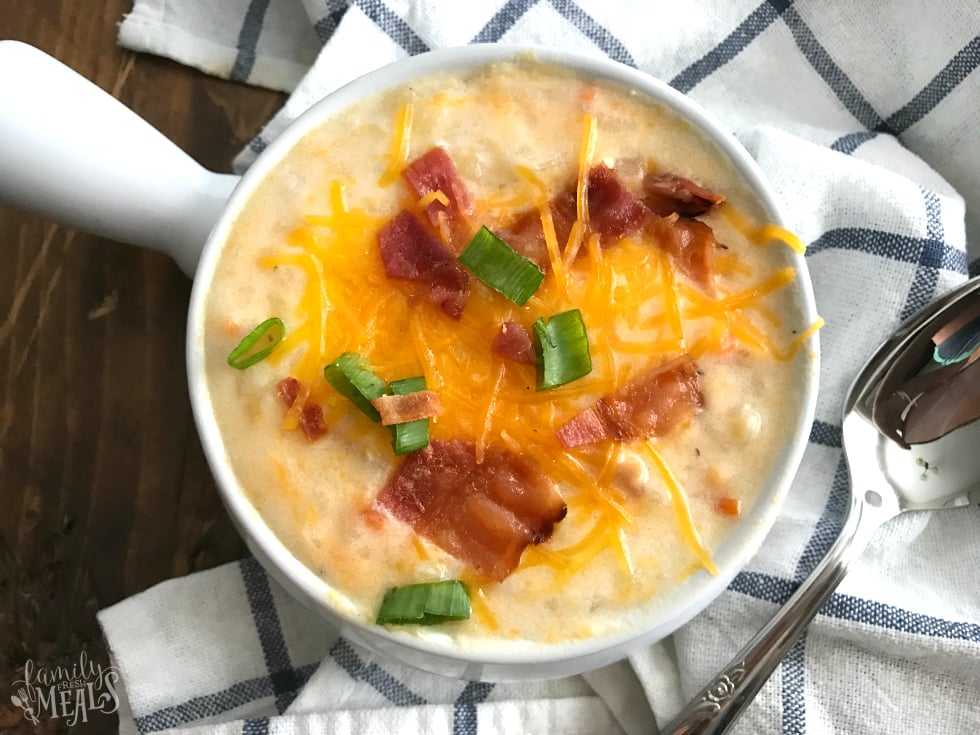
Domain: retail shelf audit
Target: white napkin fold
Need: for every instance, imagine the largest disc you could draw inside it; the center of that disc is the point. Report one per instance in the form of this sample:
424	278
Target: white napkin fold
863	116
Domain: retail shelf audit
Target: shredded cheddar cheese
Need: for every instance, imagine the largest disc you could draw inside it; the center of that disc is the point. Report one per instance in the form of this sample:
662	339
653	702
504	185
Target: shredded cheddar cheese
745	331
420	549
739	300
773	232
481	608
635	308
673	307
571	560
622	551
543	204
800	340
481	444
760	235
574	244
681	508
445	234
433	196
398	156
586	152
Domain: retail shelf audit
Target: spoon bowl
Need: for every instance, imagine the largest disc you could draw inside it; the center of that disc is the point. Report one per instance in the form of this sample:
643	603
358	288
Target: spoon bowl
880	410
910	433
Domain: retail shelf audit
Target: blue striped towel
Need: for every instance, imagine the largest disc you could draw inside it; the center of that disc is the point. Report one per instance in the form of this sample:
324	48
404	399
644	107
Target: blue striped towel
864	116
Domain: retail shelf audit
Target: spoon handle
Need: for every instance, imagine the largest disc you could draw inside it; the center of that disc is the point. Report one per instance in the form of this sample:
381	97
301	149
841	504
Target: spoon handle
722	701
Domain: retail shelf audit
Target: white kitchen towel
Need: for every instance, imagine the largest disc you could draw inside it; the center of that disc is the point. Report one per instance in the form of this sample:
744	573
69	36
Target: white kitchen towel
864	117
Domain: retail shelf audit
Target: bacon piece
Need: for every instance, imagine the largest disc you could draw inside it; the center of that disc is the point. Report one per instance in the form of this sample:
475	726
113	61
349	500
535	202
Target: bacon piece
649	406
411	253
422	404
514	343
515	484
614	211
288	389
449	286
435	171
311	416
311	421
564	212
481	533
526	236
691	244
484	514
668	193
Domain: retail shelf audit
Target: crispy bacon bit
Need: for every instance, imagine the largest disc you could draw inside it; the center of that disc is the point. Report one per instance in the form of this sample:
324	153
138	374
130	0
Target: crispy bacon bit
408	250
668	193
691	244
514	343
448	288
484	514
423	404
311	416
288	389
311	420
526	236
614	211
435	171
649	406
411	253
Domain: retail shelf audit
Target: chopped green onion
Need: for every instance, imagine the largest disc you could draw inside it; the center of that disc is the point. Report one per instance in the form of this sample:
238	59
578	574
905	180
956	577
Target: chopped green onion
354	380
429	603
562	349
257	344
411	435
501	267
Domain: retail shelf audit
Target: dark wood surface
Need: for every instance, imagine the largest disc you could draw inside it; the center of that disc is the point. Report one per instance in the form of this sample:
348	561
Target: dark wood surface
104	490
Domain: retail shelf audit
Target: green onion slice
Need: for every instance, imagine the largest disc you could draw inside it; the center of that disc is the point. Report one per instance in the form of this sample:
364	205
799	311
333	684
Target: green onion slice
258	344
411	435
353	379
562	349
501	267
429	603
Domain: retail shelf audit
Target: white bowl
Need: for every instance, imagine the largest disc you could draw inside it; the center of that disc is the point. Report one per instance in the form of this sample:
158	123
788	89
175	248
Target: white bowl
438	654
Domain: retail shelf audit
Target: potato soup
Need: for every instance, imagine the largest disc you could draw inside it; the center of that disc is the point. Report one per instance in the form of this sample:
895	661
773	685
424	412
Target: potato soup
653	288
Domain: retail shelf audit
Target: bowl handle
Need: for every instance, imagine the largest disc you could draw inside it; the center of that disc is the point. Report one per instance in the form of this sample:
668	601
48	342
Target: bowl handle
73	154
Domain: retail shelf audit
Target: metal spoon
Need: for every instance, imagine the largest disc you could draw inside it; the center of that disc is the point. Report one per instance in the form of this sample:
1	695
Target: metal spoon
911	437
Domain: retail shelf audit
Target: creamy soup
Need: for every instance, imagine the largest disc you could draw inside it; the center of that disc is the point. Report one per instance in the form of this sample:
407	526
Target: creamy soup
619	202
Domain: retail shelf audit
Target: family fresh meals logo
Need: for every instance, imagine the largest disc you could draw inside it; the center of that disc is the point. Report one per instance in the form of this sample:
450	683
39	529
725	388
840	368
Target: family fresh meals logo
67	692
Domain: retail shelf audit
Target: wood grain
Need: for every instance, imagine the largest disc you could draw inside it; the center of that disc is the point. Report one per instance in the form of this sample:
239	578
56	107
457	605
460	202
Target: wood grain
104	490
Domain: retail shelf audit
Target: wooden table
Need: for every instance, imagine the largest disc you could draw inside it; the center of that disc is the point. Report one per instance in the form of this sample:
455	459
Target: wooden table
104	490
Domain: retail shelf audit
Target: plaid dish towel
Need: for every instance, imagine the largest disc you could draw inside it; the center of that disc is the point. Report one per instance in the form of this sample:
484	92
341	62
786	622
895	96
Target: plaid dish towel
864	117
